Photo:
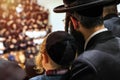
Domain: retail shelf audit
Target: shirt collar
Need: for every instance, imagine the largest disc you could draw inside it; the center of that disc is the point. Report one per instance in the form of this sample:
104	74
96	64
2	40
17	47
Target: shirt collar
56	72
95	33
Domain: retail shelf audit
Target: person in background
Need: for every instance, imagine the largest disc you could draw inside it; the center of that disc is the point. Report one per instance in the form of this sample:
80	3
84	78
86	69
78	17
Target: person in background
30	68
11	71
56	54
111	18
110	12
100	59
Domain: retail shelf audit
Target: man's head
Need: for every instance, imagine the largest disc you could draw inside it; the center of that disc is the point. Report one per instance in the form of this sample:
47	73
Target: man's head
86	15
110	11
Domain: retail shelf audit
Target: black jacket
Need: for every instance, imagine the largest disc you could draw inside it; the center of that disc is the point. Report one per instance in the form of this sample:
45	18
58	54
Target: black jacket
100	60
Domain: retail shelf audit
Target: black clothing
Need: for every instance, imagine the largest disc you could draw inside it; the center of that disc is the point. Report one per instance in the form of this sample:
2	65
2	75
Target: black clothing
100	60
112	22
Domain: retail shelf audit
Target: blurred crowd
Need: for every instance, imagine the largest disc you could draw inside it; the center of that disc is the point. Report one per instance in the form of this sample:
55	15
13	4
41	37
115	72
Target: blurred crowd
20	21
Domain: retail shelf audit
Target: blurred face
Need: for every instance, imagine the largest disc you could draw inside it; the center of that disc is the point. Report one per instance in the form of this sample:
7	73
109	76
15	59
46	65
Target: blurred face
22	58
14	26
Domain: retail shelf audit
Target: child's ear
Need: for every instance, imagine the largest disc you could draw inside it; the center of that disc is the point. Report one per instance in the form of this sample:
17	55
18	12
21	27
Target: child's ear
74	22
45	58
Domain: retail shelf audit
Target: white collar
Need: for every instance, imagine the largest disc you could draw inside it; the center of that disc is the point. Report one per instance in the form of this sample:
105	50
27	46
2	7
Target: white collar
95	33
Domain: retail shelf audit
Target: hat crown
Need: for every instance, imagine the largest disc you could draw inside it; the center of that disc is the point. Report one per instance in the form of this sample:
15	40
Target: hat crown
87	1
68	1
80	1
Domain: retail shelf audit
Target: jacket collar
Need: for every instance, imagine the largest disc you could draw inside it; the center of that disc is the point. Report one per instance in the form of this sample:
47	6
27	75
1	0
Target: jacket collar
99	38
95	33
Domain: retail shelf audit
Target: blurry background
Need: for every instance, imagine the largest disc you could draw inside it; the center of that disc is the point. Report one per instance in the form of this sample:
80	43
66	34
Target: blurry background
119	8
56	19
23	26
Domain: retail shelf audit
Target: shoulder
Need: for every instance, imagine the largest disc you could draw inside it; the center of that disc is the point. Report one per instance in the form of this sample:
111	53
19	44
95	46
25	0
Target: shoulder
93	55
91	58
115	21
82	68
86	64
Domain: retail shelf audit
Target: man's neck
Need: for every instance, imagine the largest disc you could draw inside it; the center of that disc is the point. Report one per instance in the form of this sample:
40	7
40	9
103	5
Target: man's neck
92	34
88	32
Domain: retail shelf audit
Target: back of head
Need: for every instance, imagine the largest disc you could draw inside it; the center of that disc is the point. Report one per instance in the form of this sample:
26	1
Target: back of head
11	71
109	10
61	48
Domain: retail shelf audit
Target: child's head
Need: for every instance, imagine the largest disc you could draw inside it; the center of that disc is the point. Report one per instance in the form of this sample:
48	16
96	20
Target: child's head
57	51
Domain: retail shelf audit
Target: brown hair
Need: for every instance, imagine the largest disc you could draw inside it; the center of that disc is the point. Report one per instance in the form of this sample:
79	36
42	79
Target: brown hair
38	58
110	10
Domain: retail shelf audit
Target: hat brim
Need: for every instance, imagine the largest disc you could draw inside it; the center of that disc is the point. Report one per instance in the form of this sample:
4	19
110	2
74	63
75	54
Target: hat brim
62	8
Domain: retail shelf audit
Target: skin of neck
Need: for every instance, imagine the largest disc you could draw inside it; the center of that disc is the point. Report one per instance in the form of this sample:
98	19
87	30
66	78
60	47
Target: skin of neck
52	66
49	64
88	32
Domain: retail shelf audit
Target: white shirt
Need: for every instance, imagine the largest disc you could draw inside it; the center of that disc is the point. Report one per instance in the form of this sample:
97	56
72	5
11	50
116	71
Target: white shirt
95	33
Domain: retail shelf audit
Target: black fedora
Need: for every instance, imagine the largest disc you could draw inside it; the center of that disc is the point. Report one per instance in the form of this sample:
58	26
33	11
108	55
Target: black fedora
70	5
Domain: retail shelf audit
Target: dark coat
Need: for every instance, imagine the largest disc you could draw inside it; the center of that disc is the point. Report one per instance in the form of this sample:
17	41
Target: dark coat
100	60
112	22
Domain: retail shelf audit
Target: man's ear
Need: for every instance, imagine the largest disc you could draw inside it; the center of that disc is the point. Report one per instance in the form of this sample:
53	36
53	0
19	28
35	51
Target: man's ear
75	24
45	58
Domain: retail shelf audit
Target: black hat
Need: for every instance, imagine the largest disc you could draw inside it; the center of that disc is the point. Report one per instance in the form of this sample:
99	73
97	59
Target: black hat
117	1
60	47
71	5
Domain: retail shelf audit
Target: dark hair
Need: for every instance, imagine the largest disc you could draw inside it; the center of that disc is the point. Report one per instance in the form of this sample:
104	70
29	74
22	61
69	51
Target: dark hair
110	11
90	22
89	18
67	20
79	38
